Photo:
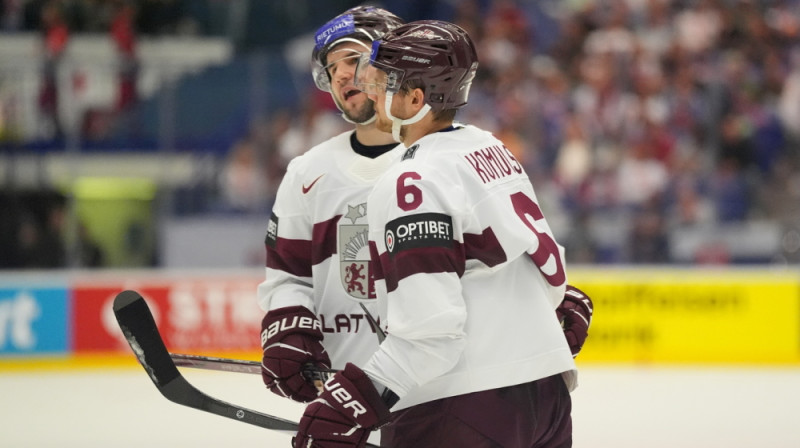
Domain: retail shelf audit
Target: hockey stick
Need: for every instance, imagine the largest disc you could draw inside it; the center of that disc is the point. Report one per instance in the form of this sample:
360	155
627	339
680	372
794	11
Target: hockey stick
137	324
239	366
254	367
213	363
140	331
378	330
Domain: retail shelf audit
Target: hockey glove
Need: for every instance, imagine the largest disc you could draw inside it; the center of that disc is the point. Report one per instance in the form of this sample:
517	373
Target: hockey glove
575	315
291	339
345	413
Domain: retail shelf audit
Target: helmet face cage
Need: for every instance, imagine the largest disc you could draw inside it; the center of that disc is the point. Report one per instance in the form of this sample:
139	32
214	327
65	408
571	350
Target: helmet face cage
394	77
439	54
362	24
321	73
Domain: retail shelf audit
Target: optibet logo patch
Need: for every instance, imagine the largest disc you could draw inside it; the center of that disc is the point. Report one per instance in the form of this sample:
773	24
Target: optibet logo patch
390	241
418	231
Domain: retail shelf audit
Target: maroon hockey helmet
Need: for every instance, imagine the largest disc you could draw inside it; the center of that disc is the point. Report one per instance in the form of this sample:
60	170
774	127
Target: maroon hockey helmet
439	54
361	24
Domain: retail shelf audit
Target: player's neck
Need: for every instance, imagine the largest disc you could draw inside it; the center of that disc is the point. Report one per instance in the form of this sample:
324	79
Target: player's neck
369	135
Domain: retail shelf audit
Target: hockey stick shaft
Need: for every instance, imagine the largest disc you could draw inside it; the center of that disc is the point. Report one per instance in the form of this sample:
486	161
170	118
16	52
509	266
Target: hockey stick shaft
137	324
378	330
239	365
214	363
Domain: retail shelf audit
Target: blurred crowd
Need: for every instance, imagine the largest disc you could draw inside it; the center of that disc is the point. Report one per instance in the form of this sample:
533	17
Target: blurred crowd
635	119
644	117
638	119
153	17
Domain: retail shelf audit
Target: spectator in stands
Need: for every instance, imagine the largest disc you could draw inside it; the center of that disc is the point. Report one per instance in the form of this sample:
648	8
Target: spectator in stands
789	102
243	181
317	121
40	238
648	240
11	12
55	38
90	254
123	33
711	88
730	191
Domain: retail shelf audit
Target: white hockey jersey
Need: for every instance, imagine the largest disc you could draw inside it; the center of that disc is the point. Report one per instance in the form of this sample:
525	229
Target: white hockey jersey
469	274
317	248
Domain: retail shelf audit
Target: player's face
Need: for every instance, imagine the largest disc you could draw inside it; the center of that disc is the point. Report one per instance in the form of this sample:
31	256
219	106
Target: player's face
342	61
374	83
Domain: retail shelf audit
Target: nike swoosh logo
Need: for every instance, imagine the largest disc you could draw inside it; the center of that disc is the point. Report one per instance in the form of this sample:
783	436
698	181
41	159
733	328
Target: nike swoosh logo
311	185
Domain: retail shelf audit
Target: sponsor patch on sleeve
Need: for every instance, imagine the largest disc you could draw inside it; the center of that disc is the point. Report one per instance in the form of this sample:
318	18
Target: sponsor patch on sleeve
417	231
272	231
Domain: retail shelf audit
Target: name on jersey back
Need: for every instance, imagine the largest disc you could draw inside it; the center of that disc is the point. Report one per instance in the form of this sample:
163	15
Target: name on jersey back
493	163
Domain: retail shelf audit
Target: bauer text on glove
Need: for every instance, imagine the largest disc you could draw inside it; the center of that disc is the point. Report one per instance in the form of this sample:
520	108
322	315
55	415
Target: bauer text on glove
344	414
291	340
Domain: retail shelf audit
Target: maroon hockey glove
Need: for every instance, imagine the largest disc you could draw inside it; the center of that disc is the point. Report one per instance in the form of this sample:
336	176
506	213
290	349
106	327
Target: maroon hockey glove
291	339
575	315
345	413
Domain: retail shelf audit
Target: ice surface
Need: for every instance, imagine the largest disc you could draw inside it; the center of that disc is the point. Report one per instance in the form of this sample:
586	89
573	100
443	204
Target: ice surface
613	408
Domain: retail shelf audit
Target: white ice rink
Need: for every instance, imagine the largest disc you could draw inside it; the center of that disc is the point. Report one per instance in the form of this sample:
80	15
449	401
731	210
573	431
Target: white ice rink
613	408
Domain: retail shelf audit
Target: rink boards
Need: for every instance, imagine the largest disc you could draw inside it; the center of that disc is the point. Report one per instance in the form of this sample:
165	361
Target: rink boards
642	316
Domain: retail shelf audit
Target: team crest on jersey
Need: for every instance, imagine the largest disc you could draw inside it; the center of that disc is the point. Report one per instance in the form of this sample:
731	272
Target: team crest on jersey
353	248
415	231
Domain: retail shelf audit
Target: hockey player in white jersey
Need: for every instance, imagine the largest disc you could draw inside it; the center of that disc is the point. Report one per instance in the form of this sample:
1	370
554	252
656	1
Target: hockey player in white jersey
467	271
317	253
316	239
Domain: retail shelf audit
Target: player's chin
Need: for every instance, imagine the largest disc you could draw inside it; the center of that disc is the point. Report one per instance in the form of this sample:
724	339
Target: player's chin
360	113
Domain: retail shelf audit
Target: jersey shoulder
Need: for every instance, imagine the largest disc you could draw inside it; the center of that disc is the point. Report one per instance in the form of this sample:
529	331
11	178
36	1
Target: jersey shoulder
323	154
447	144
466	151
457	169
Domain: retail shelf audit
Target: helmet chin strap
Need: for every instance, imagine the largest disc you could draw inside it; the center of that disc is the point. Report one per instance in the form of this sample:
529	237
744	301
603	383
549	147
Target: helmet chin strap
397	123
367	121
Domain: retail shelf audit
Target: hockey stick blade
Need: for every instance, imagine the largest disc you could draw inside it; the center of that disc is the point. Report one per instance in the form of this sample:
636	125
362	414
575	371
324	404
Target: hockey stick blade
139	327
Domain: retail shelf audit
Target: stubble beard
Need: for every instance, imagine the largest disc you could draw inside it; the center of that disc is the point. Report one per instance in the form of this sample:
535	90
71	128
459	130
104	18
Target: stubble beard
358	114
